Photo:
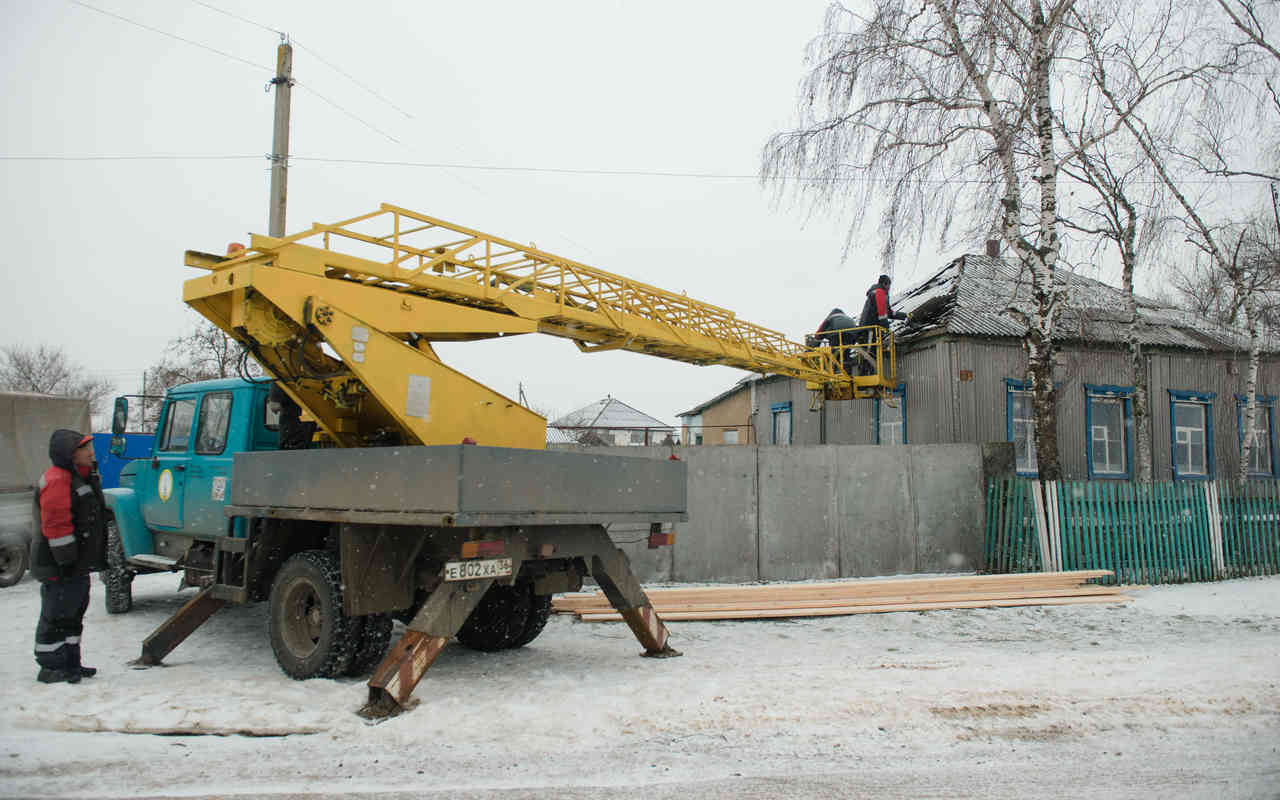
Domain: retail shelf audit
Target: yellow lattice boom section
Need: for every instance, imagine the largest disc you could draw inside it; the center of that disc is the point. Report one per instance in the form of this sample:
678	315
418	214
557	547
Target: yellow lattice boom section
455	283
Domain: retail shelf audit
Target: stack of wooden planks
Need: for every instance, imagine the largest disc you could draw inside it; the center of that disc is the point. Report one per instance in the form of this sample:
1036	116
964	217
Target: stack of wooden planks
873	596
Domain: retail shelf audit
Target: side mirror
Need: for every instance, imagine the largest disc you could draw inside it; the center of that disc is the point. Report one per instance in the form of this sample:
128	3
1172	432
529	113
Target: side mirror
117	446
119	420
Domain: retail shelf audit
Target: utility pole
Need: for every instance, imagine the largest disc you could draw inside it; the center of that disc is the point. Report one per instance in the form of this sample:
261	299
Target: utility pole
280	137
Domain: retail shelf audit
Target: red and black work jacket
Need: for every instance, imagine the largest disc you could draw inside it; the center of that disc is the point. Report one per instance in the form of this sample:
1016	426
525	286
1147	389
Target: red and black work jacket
70	515
877	311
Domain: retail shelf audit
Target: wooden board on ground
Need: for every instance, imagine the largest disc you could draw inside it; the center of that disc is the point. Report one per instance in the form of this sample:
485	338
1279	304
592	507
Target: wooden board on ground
834	598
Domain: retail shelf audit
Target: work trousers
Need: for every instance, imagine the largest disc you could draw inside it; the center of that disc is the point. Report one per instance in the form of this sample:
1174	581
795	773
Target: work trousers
62	606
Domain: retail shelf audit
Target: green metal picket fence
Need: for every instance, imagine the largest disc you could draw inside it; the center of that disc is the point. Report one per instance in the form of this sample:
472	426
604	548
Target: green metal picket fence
1165	532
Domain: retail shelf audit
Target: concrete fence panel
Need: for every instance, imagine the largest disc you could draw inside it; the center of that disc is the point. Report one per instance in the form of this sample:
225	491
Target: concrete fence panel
877	532
949	493
823	511
798	522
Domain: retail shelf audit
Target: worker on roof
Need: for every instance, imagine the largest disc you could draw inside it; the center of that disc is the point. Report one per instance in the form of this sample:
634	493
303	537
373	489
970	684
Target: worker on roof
72	518
877	310
837	331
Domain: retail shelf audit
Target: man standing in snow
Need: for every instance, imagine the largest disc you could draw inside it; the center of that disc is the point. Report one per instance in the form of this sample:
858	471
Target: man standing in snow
72	518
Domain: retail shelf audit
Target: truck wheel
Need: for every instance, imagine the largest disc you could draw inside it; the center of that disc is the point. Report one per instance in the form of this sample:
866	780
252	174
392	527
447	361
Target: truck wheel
117	577
499	620
371	645
539	613
13	561
309	632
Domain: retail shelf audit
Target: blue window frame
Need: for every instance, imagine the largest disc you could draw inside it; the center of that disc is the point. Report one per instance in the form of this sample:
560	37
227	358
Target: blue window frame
1262	457
1020	425
1108	421
1191	434
780	423
891	420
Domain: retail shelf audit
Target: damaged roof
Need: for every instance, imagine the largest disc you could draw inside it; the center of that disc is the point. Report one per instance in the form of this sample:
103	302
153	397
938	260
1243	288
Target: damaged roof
977	295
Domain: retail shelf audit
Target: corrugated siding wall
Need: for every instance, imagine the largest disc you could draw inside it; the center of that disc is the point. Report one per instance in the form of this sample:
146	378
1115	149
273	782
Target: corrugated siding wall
1195	372
942	408
979	406
850	422
926	371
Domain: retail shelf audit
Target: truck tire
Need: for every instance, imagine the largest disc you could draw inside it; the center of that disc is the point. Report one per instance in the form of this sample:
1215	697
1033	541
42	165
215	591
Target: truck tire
117	578
13	561
371	644
309	632
539	613
499	620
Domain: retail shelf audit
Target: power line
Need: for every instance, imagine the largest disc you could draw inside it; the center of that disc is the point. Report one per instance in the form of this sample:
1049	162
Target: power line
553	170
133	158
242	19
350	77
236	58
503	168
353	115
660	173
316	55
191	42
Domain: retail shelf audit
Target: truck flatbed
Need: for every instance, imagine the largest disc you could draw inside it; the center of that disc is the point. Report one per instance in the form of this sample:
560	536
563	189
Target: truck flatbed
457	486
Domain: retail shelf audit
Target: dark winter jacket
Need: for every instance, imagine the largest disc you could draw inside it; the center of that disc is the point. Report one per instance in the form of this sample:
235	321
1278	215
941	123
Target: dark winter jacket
877	311
837	320
70	513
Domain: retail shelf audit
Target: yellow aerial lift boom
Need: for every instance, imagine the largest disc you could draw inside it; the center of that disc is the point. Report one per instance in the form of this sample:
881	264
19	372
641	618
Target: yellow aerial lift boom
380	288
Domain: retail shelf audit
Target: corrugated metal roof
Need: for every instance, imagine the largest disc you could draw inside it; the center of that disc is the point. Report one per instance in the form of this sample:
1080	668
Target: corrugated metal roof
977	295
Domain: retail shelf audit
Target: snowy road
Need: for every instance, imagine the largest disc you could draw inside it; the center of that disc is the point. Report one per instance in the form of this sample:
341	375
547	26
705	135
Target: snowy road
1175	695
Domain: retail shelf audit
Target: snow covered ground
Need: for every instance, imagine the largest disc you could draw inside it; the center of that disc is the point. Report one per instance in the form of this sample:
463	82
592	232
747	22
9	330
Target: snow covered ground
1174	695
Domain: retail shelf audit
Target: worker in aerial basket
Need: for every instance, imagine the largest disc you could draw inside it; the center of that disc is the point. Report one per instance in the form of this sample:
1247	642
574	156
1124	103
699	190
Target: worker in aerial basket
837	331
72	519
877	310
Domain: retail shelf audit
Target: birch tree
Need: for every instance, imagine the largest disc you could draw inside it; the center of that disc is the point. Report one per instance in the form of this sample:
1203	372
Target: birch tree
1141	67
937	114
1178	167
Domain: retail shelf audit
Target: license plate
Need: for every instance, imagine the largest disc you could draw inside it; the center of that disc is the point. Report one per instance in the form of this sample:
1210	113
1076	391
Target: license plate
476	569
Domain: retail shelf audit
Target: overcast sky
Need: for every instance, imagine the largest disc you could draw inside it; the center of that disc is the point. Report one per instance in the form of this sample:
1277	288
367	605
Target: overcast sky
93	249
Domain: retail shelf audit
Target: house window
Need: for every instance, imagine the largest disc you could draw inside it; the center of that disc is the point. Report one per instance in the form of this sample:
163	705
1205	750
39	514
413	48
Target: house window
781	423
731	436
1108	425
1020	425
1262	460
891	418
1191	432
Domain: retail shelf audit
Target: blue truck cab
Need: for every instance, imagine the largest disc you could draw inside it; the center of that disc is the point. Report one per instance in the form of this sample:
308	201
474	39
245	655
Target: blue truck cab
172	499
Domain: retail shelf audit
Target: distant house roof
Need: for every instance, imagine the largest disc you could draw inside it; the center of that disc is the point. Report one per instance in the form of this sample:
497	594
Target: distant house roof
734	389
975	295
609	413
708	403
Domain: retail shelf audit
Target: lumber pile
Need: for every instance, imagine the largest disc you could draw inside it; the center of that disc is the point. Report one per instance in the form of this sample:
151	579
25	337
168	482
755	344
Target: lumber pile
868	596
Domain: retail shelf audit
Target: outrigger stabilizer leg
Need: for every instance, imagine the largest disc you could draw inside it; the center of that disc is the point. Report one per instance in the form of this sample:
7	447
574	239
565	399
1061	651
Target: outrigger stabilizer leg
442	616
447	609
612	570
174	631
